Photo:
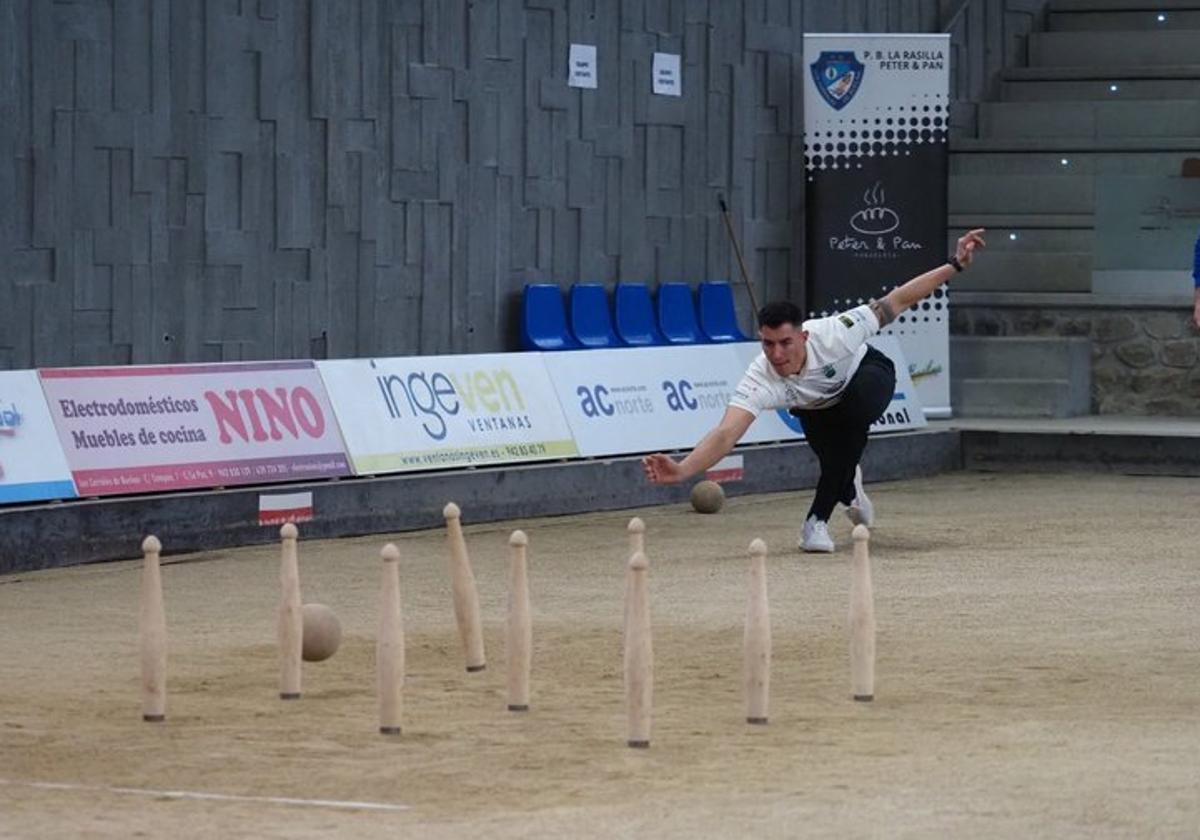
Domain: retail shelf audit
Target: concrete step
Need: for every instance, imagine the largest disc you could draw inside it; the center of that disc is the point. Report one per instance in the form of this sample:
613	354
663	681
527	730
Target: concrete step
1099	89
1096	49
1015	398
1022	221
1125	20
1009	240
1068	163
1077	144
1101	72
1153	119
1120	5
1019	357
1029	271
1021	194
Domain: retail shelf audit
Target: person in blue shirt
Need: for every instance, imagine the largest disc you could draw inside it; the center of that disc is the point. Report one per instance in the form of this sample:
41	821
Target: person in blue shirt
1196	278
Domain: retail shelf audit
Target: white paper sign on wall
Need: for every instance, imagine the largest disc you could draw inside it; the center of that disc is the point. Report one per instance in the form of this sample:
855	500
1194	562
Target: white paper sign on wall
581	66
668	80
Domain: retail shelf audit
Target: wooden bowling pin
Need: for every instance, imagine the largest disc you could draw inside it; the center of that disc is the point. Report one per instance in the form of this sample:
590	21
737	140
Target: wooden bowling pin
639	656
637	535
862	619
466	596
519	636
152	635
756	641
389	645
290	619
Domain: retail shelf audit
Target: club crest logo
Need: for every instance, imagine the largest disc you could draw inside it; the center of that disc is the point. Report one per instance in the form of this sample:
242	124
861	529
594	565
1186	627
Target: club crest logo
837	76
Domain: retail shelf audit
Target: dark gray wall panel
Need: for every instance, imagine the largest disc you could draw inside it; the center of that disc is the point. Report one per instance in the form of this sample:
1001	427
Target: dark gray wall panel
205	180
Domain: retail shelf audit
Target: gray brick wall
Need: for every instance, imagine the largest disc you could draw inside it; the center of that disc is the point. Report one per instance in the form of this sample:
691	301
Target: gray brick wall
204	180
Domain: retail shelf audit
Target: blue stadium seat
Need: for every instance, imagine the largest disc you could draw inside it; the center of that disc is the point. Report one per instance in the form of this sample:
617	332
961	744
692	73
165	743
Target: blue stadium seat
677	314
718	316
636	324
591	321
544	320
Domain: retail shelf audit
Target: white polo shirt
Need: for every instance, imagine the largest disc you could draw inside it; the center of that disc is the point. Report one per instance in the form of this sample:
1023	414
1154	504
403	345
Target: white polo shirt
836	346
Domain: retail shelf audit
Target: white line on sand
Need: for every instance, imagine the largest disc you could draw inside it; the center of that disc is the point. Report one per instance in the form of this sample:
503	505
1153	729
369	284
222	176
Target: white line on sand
219	797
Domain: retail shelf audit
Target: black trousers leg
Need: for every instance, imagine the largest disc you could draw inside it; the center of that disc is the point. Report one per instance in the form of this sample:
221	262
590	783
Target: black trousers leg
838	434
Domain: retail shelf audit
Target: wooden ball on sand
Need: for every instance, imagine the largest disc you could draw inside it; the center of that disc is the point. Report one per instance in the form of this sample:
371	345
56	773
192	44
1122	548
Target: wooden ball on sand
322	633
707	497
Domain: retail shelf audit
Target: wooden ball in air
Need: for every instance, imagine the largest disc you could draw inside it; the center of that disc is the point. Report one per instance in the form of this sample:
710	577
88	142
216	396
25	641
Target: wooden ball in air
322	633
707	497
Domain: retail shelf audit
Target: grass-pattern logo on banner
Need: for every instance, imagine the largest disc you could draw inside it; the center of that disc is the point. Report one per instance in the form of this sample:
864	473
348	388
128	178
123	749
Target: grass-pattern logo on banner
837	76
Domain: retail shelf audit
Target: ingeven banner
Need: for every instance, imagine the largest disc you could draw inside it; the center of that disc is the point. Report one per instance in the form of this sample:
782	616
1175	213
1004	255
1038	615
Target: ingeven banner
876	111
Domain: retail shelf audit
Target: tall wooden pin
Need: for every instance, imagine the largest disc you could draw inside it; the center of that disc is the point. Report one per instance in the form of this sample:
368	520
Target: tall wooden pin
152	635
466	597
291	618
639	655
637	535
756	641
862	619
519	638
389	645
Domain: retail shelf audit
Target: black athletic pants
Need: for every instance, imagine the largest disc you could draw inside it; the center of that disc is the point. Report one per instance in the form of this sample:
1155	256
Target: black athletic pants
838	434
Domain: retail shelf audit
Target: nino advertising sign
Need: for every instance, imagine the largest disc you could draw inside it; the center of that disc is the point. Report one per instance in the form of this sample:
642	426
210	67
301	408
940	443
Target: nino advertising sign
149	428
434	412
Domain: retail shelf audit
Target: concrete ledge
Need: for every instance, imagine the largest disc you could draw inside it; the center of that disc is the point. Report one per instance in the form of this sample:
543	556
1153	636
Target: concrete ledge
84	531
1069	300
1047	452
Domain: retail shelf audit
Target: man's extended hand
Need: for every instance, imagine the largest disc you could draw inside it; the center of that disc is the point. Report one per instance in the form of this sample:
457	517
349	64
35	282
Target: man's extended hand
968	244
661	469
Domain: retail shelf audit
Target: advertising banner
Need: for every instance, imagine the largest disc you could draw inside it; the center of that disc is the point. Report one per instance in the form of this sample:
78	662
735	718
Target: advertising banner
876	113
32	466
644	399
150	428
903	413
434	412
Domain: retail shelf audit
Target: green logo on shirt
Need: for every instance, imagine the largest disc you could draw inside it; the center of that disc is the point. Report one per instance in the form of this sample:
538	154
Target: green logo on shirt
847	320
829	371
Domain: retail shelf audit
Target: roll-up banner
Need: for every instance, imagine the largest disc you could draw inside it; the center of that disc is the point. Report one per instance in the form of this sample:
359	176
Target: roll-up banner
32	466
153	428
876	110
435	412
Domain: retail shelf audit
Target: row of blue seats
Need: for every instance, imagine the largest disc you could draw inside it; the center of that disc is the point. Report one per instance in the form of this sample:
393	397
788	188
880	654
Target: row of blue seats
633	320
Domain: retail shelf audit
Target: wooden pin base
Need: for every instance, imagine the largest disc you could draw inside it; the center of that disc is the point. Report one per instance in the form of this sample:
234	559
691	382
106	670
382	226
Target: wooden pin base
519	708
289	695
154	718
473	669
864	698
758	721
639	745
389	730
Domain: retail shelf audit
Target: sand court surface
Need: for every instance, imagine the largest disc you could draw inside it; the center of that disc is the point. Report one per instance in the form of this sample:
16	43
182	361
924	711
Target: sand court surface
1038	674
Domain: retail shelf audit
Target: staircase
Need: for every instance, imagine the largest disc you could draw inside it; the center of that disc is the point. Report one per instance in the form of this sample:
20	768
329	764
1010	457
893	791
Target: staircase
1112	88
1021	377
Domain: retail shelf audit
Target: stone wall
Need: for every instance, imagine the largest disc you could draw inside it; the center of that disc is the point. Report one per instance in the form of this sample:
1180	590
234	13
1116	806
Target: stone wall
1144	360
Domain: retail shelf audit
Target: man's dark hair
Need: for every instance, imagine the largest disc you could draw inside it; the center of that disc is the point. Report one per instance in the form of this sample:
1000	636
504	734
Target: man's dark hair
780	312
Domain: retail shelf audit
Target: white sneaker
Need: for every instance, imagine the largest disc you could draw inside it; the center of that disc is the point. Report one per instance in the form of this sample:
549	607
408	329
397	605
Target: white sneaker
860	511
815	536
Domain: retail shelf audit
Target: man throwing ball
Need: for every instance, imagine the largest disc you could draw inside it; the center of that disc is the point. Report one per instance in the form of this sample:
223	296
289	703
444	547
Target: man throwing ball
823	372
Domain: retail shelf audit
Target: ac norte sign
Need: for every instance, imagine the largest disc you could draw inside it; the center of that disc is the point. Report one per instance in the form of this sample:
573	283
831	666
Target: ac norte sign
164	427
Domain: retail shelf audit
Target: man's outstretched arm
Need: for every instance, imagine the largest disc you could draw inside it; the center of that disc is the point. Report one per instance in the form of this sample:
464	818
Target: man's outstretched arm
923	285
663	469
